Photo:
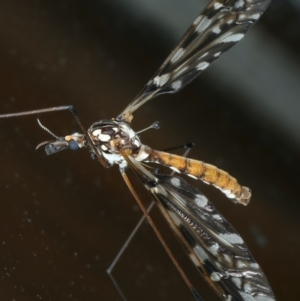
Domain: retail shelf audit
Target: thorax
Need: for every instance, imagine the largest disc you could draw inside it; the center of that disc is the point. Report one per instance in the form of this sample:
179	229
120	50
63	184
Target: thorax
111	138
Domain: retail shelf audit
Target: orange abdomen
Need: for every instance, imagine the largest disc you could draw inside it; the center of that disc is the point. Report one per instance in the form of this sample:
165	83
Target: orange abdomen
207	173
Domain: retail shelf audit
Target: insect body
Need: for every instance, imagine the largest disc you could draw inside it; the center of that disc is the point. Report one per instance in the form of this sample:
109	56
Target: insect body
214	246
111	137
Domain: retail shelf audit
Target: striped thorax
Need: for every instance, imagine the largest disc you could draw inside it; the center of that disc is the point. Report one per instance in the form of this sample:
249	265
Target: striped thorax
111	137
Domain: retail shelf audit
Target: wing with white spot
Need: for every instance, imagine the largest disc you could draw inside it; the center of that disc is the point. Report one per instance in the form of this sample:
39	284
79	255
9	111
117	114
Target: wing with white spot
220	25
213	245
222	253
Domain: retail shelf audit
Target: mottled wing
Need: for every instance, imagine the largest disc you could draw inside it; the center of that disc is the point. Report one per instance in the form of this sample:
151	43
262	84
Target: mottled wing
220	25
214	246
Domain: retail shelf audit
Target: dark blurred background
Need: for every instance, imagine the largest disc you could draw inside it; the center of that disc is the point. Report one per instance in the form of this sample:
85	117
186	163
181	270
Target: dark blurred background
63	218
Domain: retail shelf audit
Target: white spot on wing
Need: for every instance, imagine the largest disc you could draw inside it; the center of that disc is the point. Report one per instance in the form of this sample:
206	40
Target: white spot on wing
175	182
216	29
254	265
255	16
197	20
215	276
217	217
233	38
217	5
237	282
176	85
179	53
214	249
230	21
247	297
227	258
243	17
201	200
200	252
161	80
203	55
203	24
202	66
263	298
247	288
240	264
239	4
232	238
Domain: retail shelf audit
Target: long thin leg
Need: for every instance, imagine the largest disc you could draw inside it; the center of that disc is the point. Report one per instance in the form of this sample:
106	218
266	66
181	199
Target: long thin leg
161	239
109	270
39	111
127	242
47	110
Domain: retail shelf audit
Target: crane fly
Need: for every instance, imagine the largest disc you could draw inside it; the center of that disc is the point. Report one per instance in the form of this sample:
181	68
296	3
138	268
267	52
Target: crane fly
213	245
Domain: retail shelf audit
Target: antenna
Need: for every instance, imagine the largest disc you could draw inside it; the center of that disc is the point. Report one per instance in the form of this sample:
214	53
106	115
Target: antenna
155	125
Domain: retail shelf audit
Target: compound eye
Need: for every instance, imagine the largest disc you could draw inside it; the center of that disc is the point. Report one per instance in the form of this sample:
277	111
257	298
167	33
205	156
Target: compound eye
73	145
